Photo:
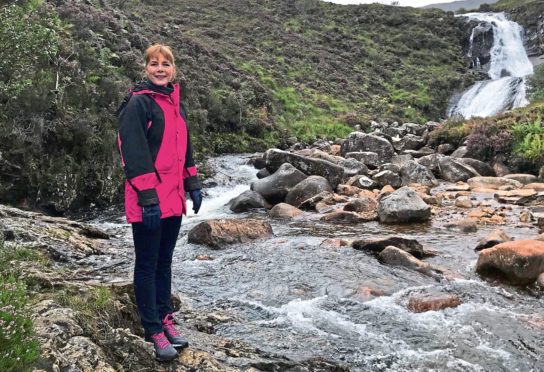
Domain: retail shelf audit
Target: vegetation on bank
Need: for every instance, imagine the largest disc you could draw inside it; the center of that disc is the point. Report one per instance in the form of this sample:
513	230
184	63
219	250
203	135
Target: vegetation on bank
252	73
18	343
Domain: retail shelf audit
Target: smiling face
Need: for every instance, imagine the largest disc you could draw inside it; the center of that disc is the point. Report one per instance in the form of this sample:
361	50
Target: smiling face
159	70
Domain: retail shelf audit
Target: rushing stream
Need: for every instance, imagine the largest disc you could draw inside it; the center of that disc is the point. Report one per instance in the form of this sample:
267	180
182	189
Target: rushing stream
291	296
509	65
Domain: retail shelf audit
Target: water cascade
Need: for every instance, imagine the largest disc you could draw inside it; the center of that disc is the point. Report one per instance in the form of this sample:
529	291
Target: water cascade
508	67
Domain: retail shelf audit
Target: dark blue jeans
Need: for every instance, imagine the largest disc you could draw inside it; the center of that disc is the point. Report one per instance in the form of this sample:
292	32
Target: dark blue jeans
153	271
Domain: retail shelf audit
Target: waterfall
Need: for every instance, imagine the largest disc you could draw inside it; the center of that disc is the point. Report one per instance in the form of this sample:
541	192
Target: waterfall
508	67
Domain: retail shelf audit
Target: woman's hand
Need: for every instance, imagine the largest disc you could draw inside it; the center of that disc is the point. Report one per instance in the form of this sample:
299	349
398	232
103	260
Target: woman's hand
196	197
151	217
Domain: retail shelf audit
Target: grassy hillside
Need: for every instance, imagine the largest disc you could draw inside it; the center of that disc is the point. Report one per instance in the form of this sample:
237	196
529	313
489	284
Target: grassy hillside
253	72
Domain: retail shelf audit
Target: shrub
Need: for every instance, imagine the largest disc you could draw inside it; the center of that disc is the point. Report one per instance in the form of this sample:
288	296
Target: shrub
487	140
535	84
529	141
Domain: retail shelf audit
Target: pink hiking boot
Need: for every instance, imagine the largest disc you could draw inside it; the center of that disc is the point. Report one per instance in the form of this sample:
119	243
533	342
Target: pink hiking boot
163	349
172	334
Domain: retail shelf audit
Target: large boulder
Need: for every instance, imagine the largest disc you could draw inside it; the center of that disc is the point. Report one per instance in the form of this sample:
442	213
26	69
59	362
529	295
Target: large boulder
275	187
311	166
397	257
412	172
481	167
400	160
353	167
218	233
307	189
431	162
408	142
519	262
387	177
358	141
494	183
368	158
492	239
522	177
453	171
247	200
411	246
413	128
361	205
284	211
432	302
404	205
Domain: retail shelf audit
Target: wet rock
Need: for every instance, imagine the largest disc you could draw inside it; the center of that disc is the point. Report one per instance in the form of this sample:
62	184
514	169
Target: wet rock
375	246
492	183
258	162
537	186
522	178
459	186
247	200
275	187
387	177
263	173
452	170
492	239
432	302
424	151
361	205
332	172
353	167
518	262
306	189
397	257
318	154
482	168
526	216
362	182
326	196
514	196
344	217
284	210
347	190
400	160
404	205
463	202
408	142
362	142
467	225
486	215
431	162
412	172
499	167
368	158
335	243
540	281
461	152
218	233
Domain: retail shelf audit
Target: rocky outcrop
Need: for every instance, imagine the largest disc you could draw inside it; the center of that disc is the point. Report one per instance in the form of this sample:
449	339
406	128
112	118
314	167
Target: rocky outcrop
453	170
275	187
518	262
307	189
484	169
218	233
404	205
362	142
412	172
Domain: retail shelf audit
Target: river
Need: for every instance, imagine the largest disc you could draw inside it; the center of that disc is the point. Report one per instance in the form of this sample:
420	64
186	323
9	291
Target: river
292	296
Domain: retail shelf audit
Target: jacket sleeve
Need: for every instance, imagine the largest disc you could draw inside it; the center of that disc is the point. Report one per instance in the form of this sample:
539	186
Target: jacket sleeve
135	155
190	178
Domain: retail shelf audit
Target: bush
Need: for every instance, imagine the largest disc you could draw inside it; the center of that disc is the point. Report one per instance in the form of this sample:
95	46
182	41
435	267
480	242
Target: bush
535	84
529	141
487	140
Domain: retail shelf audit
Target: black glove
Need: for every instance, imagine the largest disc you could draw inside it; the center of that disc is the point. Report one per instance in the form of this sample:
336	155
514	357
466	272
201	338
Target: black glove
196	197
151	217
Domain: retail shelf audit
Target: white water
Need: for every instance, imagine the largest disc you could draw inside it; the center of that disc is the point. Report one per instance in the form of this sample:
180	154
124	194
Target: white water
509	66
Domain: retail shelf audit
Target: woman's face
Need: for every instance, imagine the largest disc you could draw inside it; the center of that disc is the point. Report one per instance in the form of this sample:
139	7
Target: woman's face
159	70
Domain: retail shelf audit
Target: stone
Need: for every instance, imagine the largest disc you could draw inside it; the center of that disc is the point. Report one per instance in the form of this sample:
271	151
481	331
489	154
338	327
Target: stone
452	170
335	149
334	243
540	281
467	225
522	178
389	167
537	186
492	183
432	302
218	233
413	128
263	173
400	160
424	151
445	148
362	182
397	257
492	239
291	141
307	189
326	197
404	205
311	166
347	190
461	152
275	187
526	216
459	186
387	177
375	246
247	200
408	142
518	262
463	202
359	142
500	168
482	168
368	158
412	172
284	210
431	162
344	217
352	167
361	205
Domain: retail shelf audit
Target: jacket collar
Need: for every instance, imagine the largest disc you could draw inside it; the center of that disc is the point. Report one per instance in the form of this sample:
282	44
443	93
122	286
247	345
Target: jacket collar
149	86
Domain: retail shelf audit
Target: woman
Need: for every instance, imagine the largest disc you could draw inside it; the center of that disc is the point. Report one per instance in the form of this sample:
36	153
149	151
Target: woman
158	162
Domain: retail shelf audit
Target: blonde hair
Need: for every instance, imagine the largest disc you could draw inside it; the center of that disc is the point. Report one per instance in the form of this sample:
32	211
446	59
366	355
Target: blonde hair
155	49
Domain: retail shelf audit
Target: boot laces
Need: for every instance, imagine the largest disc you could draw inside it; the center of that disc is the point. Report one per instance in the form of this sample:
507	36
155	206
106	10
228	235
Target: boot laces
160	340
168	323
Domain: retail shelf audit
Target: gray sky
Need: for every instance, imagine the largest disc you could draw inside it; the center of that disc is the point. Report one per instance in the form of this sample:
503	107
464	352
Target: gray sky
414	3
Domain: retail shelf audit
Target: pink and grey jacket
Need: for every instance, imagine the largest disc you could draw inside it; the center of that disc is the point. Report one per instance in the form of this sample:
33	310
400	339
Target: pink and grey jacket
155	151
